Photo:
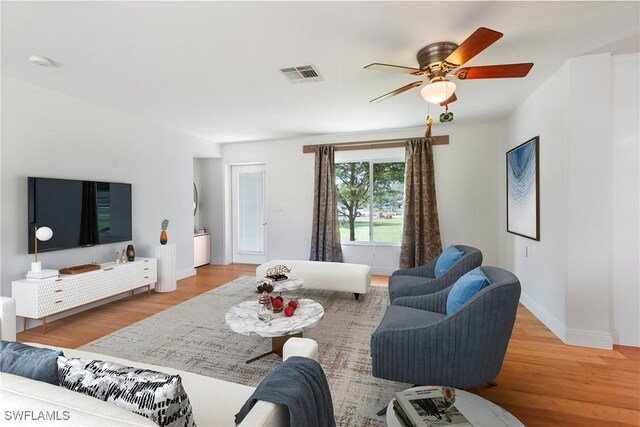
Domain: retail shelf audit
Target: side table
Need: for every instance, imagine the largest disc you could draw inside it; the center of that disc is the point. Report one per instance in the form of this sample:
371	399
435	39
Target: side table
479	411
166	255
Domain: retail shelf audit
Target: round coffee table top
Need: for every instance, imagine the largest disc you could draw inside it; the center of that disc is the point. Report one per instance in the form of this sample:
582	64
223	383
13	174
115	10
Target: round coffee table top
243	319
479	411
291	284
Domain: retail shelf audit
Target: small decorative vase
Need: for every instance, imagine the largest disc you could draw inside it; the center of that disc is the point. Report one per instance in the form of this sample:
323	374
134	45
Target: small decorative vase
265	311
123	257
131	253
163	237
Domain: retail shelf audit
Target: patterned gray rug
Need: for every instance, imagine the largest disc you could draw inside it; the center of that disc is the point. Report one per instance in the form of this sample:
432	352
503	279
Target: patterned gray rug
194	337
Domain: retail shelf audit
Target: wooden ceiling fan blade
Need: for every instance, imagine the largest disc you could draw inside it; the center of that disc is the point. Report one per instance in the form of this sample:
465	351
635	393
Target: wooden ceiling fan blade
481	39
494	71
397	91
452	98
394	68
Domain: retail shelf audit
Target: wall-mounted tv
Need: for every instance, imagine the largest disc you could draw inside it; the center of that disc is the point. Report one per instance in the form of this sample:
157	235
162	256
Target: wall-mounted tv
80	213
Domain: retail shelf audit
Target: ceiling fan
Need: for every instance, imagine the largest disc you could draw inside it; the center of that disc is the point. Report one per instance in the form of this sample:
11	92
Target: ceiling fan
438	60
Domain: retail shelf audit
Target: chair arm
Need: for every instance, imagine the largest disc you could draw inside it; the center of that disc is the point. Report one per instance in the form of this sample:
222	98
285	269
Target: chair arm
304	347
436	302
425	270
429	286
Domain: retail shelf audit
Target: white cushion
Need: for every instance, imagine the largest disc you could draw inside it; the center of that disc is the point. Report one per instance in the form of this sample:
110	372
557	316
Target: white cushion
329	276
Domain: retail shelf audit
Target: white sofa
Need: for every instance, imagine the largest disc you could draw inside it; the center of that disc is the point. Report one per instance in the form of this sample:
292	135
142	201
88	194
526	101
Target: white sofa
328	276
214	402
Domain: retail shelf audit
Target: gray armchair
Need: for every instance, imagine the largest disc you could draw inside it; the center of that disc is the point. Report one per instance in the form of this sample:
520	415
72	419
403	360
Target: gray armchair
416	342
422	280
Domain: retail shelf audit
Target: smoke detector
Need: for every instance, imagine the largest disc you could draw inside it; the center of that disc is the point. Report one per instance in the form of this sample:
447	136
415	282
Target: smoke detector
40	60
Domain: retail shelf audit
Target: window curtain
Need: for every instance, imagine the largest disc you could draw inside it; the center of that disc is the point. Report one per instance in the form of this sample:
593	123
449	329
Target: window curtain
420	229
325	236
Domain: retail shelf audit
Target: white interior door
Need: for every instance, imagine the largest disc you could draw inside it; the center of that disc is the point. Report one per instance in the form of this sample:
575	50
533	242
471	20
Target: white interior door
249	220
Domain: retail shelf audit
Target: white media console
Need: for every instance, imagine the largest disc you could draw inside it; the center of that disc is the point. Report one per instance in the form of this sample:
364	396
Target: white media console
42	298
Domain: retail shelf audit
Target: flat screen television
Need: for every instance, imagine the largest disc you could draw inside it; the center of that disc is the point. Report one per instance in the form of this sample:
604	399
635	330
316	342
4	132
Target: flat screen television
80	213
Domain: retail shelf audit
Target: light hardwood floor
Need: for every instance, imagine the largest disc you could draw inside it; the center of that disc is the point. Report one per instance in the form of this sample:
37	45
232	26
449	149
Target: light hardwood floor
543	382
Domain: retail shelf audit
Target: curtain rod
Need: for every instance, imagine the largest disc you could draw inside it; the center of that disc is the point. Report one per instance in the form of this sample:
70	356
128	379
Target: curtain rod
374	144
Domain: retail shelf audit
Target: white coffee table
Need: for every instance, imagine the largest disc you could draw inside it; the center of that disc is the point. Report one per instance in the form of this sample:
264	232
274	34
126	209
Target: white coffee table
479	411
243	319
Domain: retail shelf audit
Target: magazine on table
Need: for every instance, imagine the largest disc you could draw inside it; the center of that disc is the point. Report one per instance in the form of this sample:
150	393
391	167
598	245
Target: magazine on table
429	408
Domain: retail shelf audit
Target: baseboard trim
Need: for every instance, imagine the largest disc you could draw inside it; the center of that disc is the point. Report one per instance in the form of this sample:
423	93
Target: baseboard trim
219	261
584	338
549	320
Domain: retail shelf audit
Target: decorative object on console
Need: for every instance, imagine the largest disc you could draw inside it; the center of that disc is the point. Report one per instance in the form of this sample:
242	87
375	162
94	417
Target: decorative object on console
155	395
123	257
43	234
163	233
131	253
42	275
84	268
523	190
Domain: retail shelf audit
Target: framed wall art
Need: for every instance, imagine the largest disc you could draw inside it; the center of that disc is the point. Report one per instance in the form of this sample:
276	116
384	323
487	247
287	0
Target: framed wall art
523	189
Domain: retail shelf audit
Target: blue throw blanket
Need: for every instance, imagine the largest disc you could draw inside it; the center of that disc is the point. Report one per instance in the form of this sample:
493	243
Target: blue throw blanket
298	383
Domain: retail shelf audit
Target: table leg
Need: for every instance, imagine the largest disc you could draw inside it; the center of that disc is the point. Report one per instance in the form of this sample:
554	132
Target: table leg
24	324
149	290
44	326
277	343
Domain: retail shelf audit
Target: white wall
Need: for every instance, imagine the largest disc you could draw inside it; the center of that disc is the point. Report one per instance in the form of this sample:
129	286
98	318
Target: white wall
466	181
568	276
541	266
589	189
213	216
626	199
49	134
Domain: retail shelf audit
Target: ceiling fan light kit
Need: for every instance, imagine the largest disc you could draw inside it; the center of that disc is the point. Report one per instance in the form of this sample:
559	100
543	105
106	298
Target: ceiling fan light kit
439	60
438	91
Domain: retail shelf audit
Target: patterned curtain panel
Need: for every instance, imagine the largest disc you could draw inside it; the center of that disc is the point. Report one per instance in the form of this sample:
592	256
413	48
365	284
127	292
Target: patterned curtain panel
421	229
325	236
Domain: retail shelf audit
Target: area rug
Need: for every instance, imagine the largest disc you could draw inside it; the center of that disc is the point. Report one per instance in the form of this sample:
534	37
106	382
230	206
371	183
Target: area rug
194	337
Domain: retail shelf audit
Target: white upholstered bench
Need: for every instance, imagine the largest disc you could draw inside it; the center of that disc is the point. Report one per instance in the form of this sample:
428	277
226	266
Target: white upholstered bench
328	276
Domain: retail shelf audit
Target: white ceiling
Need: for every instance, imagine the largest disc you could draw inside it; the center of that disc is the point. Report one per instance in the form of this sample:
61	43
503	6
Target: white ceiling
211	69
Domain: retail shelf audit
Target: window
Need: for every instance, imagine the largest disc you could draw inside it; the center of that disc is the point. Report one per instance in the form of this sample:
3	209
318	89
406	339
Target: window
370	197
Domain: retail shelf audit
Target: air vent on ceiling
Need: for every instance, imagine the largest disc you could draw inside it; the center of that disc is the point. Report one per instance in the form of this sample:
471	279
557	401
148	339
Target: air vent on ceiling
302	74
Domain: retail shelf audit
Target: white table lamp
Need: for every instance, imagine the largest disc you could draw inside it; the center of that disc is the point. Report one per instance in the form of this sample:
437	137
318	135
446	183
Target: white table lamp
43	234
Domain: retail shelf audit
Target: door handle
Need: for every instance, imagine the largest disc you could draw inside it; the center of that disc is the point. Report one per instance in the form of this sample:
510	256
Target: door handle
264	223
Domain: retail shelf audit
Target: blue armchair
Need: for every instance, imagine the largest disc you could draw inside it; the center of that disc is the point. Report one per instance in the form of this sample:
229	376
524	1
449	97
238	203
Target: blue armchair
416	342
422	280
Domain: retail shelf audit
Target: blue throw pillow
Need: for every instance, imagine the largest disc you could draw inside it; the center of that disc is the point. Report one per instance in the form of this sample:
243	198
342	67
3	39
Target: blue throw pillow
465	288
446	260
37	363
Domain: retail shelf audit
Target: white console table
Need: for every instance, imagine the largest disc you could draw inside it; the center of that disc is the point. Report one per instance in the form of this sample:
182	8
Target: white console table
166	255
42	298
